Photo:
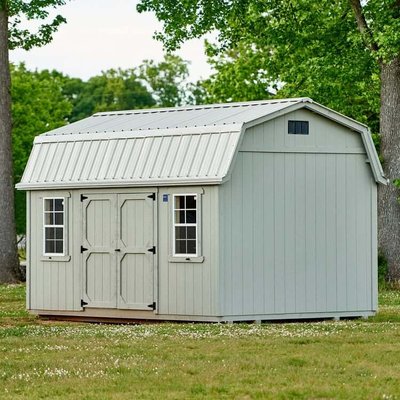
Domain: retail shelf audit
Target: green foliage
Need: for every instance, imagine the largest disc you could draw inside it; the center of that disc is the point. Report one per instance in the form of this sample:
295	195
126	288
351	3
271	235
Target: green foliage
382	272
19	10
151	84
115	89
38	105
167	80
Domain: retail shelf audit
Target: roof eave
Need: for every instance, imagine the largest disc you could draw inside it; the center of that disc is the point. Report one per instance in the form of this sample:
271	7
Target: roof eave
115	184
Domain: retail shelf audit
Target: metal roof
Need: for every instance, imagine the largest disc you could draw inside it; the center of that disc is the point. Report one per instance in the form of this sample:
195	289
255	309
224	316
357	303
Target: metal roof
180	117
171	146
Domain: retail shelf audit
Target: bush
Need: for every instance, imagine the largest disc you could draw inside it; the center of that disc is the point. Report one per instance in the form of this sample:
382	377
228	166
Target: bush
382	272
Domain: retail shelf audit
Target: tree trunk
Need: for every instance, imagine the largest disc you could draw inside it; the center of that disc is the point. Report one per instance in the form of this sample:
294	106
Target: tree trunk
9	263
389	206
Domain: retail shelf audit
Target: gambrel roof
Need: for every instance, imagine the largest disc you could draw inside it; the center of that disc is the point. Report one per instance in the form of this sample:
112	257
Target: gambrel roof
169	146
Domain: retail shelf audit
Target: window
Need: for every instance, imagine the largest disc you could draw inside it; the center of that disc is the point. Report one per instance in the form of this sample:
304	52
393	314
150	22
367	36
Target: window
54	226
185	235
298	127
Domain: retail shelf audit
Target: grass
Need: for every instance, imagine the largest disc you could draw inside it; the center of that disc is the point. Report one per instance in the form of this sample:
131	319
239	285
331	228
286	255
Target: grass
355	359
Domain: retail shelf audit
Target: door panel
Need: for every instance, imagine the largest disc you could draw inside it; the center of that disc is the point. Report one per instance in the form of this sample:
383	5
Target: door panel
118	268
99	259
135	262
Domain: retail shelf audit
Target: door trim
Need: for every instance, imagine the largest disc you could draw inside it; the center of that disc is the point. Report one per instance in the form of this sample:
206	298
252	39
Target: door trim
110	192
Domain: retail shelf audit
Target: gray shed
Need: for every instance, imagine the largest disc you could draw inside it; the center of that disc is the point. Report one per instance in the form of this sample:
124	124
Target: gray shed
243	211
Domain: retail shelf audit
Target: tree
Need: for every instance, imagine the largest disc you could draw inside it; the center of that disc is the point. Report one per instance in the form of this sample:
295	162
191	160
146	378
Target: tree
162	84
12	35
324	45
167	80
113	90
38	105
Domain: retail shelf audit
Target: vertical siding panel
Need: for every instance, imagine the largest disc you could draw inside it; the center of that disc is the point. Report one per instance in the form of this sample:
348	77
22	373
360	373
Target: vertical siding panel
36	293
248	240
373	275
213	267
279	132
268	221
204	282
289	235
279	224
187	272
42	282
351	232
73	282
330	224
54	272
363	213
290	140
164	243
321	255
237	237
28	250
212	270
300	224
179	272
199	303
227	246
341	233
310	234
259	241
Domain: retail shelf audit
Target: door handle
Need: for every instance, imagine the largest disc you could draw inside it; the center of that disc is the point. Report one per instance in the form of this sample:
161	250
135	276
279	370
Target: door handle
118	250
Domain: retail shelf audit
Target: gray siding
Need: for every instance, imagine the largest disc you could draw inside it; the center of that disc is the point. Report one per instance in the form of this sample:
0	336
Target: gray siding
181	288
54	285
298	222
189	288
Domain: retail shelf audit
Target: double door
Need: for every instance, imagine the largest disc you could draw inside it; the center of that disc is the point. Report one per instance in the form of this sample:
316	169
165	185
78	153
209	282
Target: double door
118	250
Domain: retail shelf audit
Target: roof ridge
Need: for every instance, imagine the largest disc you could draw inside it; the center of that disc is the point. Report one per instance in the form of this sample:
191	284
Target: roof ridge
204	106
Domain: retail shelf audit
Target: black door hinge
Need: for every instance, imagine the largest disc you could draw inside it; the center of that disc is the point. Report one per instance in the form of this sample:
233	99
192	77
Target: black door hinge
83	303
83	249
152	305
83	197
152	250
152	196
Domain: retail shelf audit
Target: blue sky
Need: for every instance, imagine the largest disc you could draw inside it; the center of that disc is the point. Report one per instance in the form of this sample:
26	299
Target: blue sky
103	34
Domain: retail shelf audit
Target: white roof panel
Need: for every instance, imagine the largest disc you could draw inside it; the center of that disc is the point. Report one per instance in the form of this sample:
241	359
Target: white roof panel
203	156
170	118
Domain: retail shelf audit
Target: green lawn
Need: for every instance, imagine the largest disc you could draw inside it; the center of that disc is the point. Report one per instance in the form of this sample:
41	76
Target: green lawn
348	359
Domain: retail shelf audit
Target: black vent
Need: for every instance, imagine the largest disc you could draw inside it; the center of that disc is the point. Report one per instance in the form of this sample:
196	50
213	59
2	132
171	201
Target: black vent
298	127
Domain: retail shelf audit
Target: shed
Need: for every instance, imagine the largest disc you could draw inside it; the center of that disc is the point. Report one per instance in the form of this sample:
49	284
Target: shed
241	211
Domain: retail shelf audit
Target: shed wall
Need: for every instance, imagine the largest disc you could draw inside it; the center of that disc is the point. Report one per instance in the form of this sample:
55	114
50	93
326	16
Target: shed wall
181	288
298	222
189	288
54	285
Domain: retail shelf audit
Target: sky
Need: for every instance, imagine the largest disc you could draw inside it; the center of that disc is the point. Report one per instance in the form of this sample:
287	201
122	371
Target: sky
104	34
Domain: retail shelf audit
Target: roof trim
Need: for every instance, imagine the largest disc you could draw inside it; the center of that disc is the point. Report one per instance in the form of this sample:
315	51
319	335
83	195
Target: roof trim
83	137
202	107
114	184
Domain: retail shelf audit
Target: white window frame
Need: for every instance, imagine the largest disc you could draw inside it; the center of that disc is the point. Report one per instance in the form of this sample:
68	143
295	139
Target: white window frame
175	224
64	253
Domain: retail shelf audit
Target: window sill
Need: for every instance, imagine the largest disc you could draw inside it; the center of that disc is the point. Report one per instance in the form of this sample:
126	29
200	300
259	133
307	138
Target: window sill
56	258
172	259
